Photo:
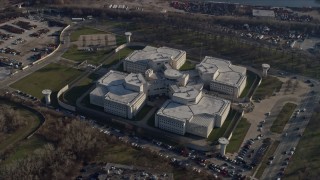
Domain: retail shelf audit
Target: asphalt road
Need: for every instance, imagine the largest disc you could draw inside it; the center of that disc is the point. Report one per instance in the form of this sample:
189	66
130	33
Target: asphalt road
292	138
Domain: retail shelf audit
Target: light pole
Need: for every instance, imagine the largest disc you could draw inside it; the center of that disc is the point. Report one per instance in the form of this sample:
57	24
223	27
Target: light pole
201	51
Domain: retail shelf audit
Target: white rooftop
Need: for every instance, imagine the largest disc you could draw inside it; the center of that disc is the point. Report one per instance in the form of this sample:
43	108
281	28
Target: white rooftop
112	86
263	13
206	109
187	92
150	53
223	140
172	74
227	73
112	78
121	94
135	79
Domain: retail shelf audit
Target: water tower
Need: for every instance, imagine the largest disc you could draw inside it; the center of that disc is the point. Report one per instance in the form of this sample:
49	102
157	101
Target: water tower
265	68
128	36
47	93
223	145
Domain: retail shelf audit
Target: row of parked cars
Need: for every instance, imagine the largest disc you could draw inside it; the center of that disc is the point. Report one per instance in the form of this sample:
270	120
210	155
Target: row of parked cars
26	95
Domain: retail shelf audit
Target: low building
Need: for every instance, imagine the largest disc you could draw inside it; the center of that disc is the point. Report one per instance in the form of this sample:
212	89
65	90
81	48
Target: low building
222	76
154	58
120	94
263	13
189	111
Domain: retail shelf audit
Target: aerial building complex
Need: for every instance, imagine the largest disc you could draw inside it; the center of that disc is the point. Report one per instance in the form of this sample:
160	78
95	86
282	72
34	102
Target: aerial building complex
155	58
222	76
155	72
119	93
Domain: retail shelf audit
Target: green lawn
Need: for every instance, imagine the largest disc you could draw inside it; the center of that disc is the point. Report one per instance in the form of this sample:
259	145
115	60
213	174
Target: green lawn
238	135
121	39
32	120
142	113
250	80
305	163
268	86
53	76
187	66
84	31
94	57
123	53
24	148
80	88
217	133
283	118
265	159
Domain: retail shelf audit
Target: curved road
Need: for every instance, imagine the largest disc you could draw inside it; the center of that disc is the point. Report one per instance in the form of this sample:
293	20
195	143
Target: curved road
50	59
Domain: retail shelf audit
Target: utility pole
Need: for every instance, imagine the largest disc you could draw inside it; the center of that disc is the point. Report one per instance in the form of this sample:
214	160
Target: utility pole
201	51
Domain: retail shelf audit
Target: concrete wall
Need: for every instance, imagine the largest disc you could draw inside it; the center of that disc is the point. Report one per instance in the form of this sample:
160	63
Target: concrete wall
38	61
62	104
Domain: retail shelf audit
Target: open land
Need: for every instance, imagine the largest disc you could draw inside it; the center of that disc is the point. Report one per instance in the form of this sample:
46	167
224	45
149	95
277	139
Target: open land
238	136
283	117
306	162
53	76
32	122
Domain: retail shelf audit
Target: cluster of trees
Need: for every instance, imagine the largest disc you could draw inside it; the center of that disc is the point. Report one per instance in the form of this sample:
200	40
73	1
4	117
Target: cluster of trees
69	143
10	120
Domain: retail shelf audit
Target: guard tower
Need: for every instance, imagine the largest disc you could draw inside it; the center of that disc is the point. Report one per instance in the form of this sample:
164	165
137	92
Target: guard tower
47	93
128	36
223	144
265	68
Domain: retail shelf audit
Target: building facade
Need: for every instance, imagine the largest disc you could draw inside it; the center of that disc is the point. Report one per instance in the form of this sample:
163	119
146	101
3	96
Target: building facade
222	76
120	94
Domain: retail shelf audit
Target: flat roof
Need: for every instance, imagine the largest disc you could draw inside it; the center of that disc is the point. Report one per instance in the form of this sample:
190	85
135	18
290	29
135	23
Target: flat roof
121	94
187	92
112	86
99	91
172	74
207	108
228	73
263	13
112	78
150	53
135	79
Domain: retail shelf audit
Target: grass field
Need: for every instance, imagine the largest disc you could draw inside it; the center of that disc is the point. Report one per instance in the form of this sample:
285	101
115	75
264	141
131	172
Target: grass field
238	135
94	57
32	122
84	31
123	53
24	148
53	76
250	80
123	155
80	88
151	121
217	133
264	161
187	66
268	86
142	113
305	163
283	118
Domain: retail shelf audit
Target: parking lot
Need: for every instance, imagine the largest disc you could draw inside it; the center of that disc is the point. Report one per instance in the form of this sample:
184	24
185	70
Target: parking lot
25	40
